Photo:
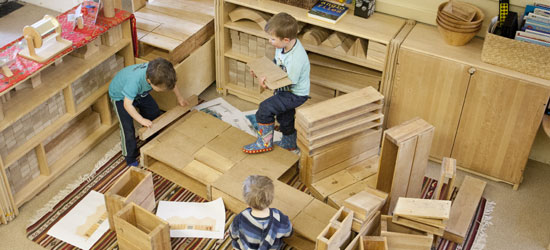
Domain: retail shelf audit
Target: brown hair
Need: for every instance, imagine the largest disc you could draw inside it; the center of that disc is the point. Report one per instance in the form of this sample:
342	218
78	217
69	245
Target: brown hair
161	72
282	26
258	191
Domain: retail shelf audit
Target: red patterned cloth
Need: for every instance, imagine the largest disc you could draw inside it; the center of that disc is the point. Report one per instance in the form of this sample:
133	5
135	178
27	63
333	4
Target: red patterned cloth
22	68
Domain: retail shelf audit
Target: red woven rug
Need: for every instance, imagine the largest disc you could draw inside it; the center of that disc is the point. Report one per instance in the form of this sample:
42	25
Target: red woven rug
115	166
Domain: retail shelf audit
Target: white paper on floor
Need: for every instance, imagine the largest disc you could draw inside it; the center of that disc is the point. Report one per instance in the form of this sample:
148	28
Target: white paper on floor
84	224
194	219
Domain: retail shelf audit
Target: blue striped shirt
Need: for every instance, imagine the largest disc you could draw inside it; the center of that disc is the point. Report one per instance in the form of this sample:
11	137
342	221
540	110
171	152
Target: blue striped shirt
249	232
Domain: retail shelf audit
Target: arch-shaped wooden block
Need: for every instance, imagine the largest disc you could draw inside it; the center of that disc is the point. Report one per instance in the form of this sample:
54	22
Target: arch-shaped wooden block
245	13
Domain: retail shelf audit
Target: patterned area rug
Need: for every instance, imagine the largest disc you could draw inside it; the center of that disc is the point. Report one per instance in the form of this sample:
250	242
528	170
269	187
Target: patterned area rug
113	166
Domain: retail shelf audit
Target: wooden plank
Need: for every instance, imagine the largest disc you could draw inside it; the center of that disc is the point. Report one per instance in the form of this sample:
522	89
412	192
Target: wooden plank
167	118
337	199
275	76
463	209
203	127
317	59
323	141
352	122
341	80
403	238
336	108
434	209
230	142
417	225
420	163
160	41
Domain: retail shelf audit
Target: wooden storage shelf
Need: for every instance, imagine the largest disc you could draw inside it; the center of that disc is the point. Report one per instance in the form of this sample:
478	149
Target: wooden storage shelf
379	27
37	184
93	98
252	28
343	83
54	79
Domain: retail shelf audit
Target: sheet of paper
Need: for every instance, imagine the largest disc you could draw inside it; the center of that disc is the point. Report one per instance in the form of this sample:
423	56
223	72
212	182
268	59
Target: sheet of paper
89	216
194	219
226	112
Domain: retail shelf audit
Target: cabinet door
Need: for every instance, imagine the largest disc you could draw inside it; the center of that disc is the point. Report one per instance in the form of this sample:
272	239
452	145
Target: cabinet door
499	122
433	89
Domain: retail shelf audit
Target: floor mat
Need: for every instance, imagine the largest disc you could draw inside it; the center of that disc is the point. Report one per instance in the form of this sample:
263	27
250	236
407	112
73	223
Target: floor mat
9	7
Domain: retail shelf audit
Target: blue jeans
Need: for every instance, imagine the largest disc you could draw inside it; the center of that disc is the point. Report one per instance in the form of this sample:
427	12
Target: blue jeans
282	105
148	108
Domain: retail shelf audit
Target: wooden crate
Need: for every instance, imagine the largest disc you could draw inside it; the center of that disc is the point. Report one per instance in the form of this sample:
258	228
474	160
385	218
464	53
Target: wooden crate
403	160
134	186
336	232
137	228
400	237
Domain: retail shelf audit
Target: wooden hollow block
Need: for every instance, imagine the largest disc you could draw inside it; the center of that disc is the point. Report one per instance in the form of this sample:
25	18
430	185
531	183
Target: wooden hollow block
332	184
401	237
365	203
135	185
337	231
214	160
403	160
373	243
167	118
448	172
463	209
137	228
423	208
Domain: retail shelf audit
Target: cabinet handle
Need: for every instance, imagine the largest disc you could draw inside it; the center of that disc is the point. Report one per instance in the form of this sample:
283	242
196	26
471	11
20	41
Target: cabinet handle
472	71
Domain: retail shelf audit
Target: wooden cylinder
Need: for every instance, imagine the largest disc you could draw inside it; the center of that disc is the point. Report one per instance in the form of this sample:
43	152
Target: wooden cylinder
108	8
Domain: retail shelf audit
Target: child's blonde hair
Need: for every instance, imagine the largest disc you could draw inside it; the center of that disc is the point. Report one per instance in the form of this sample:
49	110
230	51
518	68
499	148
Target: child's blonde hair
282	26
258	191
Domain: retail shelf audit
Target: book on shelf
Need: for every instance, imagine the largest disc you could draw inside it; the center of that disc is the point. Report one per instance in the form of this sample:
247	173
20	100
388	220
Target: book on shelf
531	40
327	11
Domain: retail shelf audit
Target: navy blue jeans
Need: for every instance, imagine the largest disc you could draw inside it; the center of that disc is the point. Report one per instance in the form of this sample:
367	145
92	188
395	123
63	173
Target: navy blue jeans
282	105
148	108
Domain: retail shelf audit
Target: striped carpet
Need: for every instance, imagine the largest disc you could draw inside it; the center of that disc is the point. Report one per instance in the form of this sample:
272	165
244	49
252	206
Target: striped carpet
107	174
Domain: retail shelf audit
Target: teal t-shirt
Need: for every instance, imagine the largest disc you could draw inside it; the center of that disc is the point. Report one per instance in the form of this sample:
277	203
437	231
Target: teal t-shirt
129	82
296	64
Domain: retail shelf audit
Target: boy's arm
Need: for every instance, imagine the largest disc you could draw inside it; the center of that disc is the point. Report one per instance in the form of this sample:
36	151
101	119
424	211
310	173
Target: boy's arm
135	114
181	101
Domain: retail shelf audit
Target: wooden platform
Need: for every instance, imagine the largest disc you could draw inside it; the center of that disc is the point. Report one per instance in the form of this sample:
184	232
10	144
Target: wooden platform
173	28
204	155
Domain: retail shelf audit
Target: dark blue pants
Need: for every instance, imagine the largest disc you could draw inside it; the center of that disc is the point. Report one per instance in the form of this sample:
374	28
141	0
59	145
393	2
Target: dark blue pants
148	108
282	105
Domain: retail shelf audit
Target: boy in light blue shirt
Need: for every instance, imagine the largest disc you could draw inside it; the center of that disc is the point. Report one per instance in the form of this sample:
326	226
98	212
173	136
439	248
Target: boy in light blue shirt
291	56
129	91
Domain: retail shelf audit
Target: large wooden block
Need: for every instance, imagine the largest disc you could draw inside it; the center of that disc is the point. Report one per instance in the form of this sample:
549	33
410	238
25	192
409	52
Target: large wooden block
364	203
137	228
463	209
135	185
401	237
313	219
403	160
373	243
332	184
336	232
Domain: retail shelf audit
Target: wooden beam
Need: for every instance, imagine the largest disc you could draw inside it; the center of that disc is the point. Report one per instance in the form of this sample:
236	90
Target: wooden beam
167	118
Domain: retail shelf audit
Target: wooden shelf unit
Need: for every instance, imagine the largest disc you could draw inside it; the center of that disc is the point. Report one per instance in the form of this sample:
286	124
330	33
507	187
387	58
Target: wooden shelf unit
58	80
379	28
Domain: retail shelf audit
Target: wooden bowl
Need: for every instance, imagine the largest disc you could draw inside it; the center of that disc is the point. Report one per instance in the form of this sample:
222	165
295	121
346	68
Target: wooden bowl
478	18
460	30
455	38
463	28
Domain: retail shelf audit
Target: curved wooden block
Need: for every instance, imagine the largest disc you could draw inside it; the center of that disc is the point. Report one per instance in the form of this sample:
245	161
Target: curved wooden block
315	35
244	13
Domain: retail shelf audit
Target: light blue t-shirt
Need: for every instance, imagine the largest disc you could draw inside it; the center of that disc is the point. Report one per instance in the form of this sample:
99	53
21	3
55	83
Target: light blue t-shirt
130	82
296	64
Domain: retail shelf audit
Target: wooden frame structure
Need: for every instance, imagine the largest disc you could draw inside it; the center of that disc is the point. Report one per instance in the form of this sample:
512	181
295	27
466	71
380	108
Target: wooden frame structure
137	228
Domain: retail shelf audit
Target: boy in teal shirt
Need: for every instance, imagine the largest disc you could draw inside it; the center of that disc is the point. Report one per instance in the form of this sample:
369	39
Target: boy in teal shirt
290	56
129	90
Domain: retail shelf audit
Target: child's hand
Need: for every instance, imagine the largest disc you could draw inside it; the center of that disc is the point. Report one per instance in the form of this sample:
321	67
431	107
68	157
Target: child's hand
261	81
182	102
146	123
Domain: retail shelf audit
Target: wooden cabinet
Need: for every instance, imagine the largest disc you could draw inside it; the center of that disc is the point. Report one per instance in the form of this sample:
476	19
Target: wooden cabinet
241	41
484	116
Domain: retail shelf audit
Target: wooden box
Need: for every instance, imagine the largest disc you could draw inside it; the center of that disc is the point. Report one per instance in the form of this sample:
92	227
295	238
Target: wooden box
403	237
137	228
528	58
136	185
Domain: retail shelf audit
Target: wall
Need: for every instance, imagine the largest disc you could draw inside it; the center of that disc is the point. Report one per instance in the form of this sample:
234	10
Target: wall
426	10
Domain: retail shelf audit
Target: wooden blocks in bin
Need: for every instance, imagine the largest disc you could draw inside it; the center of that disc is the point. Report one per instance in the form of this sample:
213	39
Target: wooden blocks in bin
403	160
135	185
137	228
336	232
429	216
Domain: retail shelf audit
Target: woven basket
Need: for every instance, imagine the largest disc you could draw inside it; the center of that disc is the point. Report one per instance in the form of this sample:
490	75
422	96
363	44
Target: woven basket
528	58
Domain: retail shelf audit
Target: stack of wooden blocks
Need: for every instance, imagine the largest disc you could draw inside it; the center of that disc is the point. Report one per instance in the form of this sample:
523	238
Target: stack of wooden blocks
22	171
339	140
31	124
96	78
429	216
250	45
365	204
